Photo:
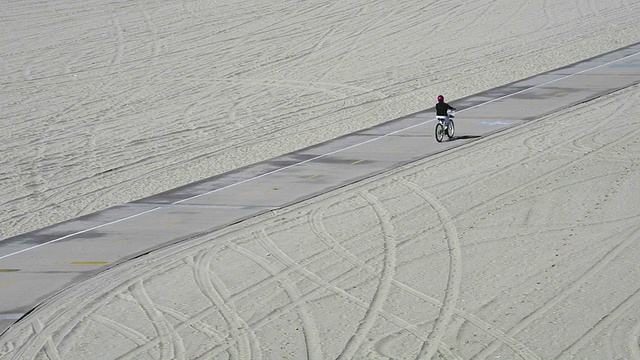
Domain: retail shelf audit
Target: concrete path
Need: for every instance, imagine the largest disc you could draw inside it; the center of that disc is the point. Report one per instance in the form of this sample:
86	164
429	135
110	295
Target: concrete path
39	264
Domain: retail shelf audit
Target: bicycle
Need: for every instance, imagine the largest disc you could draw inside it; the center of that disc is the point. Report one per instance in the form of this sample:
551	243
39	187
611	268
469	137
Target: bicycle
440	129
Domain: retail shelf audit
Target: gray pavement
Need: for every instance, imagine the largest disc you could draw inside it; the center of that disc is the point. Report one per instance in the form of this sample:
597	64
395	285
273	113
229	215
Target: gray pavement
38	264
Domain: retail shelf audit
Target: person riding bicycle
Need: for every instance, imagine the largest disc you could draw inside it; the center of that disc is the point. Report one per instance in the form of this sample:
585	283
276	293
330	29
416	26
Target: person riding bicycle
442	111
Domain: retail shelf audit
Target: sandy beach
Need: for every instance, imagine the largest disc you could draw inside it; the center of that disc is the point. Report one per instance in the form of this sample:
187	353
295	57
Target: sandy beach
523	244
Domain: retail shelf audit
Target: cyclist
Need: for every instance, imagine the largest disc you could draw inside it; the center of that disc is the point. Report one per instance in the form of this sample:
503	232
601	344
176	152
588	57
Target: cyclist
442	111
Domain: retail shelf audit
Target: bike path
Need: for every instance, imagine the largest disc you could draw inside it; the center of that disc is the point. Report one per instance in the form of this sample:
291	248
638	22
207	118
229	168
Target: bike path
36	265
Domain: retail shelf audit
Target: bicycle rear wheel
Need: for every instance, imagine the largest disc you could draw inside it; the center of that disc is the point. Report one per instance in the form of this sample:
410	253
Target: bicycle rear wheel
439	132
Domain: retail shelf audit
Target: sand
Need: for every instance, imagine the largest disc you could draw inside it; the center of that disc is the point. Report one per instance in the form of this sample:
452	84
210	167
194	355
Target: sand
520	245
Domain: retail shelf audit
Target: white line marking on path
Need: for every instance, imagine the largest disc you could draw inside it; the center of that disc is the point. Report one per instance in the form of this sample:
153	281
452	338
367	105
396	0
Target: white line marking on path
78	233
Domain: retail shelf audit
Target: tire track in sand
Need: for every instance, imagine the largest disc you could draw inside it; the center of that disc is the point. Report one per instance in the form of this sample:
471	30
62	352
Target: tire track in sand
310	330
247	347
319	229
455	272
170	343
327	285
49	347
130	334
386	278
193	322
300	267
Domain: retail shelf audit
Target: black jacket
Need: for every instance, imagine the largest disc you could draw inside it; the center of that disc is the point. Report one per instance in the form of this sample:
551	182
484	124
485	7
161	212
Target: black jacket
442	107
